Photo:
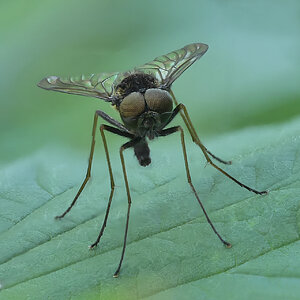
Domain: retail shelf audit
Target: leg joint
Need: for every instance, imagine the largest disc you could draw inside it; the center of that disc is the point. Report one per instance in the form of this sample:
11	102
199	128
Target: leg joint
102	127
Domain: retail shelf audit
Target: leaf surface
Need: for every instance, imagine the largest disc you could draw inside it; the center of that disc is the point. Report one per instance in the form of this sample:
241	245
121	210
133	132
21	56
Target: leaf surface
172	253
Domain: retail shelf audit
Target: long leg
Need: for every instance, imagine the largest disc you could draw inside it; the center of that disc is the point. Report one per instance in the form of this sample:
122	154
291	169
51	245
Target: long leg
181	108
175	129
112	183
125	146
98	113
193	133
112	121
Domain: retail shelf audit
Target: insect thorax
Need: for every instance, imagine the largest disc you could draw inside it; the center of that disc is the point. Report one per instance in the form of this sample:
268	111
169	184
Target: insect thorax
136	82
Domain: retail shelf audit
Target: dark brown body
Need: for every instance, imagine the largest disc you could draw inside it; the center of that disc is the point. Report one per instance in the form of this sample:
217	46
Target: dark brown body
144	109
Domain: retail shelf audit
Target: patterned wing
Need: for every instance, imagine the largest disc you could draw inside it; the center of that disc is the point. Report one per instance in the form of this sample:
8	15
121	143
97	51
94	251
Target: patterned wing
167	68
96	85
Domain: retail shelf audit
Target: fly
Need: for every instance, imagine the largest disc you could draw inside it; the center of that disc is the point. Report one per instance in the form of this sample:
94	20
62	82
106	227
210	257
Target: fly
144	99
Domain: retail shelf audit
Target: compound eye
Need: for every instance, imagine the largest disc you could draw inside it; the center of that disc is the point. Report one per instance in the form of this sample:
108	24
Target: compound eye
158	100
132	105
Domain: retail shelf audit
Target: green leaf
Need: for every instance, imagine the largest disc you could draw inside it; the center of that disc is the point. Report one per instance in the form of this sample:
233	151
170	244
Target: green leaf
249	76
172	253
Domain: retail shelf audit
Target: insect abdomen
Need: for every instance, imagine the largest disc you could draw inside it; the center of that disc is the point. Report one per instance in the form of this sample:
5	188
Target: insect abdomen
142	152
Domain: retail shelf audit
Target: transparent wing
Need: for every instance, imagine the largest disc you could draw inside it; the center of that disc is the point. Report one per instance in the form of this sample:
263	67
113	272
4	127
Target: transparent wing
167	68
95	85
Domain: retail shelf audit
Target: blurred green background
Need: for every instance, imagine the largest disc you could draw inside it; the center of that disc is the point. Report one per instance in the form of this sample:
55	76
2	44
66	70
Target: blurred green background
250	74
249	77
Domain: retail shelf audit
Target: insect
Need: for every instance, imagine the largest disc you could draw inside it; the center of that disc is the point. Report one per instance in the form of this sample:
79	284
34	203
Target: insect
144	99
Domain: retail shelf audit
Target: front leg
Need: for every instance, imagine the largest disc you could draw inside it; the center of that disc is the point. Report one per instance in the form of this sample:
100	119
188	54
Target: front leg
182	109
125	146
169	131
112	183
122	132
191	129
